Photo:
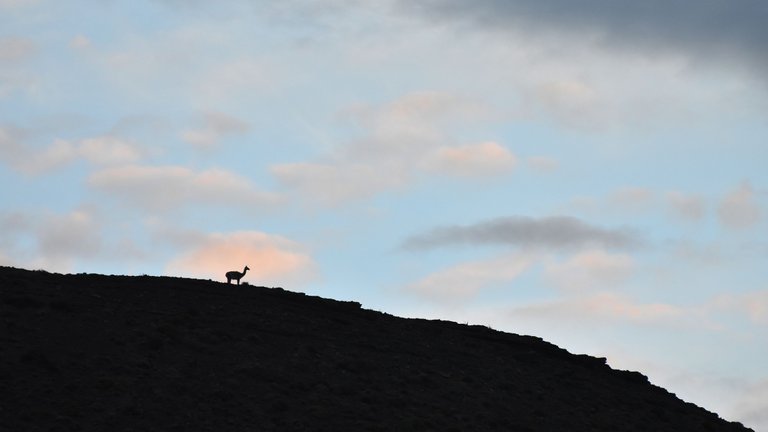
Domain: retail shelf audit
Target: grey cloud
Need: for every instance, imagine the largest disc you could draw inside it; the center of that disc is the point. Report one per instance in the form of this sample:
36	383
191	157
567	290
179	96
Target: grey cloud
549	232
721	30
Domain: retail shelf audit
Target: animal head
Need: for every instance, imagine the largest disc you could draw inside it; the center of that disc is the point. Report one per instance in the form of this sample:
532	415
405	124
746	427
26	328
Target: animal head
247	268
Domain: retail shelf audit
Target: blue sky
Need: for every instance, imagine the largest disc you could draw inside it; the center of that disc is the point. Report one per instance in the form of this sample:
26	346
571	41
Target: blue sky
591	174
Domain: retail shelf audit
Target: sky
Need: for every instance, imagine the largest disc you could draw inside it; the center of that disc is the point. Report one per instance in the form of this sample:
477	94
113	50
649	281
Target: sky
592	173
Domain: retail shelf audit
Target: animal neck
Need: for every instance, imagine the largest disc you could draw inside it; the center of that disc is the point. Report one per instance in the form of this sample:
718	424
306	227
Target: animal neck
245	269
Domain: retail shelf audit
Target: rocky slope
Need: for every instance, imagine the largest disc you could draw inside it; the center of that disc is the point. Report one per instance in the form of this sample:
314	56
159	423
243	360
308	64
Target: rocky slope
119	353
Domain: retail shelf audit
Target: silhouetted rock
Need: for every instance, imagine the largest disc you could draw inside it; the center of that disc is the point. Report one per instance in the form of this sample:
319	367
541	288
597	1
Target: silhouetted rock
118	353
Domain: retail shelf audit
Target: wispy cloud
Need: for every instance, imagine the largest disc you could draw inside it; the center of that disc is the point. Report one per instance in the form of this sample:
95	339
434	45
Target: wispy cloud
169	187
554	232
14	49
591	269
403	140
462	281
739	209
686	206
604	307
542	164
99	150
753	305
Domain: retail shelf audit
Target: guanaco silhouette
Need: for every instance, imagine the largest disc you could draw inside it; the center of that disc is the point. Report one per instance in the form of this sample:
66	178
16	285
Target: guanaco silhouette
236	275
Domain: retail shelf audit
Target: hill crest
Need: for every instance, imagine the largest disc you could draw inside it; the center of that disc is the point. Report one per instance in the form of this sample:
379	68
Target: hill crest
95	352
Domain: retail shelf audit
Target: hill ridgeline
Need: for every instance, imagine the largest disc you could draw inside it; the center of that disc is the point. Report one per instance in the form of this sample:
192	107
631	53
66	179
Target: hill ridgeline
138	353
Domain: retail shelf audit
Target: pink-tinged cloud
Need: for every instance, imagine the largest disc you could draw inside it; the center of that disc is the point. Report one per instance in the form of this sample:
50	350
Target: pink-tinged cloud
474	160
739	209
463	281
172	187
591	270
273	260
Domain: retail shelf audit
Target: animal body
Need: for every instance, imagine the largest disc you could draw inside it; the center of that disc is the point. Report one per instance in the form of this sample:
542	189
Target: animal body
236	275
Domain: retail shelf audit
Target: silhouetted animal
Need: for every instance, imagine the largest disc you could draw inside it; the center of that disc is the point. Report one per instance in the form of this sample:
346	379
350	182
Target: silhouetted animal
236	275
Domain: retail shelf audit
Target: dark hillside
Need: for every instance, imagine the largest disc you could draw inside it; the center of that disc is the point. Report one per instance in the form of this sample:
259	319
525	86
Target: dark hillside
119	353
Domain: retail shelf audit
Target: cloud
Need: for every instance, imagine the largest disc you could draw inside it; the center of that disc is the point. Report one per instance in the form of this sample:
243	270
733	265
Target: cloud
50	240
332	184
108	150
592	269
14	50
214	127
464	280
686	207
715	31
101	150
273	260
474	160
548	232
542	164
202	66
12	4
603	306
624	200
29	160
631	199
63	237
753	305
739	208
79	42
165	188
402	140
571	101
15	53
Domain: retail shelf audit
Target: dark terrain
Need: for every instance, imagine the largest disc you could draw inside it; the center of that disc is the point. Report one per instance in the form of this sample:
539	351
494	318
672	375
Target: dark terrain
140	353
